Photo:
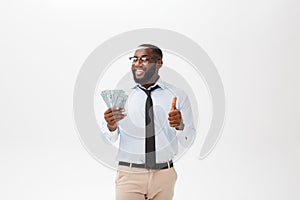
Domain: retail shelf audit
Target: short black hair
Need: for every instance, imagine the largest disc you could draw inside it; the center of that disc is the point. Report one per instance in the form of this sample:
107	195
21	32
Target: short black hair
154	49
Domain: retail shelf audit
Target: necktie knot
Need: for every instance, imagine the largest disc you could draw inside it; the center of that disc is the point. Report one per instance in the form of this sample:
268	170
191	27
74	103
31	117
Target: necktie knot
148	92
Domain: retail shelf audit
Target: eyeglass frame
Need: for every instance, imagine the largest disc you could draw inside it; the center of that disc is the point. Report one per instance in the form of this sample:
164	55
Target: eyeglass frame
142	61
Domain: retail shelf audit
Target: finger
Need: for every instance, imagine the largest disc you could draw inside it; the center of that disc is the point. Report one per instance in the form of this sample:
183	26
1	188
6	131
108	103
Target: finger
174	113
114	113
173	118
177	122
174	124
115	117
177	119
111	120
109	115
173	107
114	109
176	116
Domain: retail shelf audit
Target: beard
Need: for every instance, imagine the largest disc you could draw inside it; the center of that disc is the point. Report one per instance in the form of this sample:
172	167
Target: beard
147	76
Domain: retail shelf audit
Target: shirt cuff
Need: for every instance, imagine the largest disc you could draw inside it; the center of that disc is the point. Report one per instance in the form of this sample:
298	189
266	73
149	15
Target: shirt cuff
112	132
185	137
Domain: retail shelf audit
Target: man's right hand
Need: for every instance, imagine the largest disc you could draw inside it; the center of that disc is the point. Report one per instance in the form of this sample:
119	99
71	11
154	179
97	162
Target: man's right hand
112	116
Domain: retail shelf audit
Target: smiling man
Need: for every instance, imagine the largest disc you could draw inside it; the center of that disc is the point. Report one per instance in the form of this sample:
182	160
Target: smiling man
157	114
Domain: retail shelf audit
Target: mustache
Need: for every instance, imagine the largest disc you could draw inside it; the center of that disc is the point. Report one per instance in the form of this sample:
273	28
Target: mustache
138	68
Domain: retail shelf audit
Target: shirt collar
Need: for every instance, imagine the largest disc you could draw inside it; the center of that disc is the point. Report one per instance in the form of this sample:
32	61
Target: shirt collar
159	82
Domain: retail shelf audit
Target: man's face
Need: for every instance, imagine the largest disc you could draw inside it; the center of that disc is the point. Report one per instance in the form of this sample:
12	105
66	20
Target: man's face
145	66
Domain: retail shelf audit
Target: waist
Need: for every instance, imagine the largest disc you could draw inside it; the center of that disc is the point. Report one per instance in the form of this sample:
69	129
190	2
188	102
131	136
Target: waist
165	165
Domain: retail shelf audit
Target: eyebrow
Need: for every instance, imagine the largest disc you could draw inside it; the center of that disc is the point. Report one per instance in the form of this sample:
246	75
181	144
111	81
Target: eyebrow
141	56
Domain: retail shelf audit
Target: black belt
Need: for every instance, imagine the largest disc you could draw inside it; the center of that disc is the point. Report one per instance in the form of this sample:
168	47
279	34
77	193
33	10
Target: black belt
157	166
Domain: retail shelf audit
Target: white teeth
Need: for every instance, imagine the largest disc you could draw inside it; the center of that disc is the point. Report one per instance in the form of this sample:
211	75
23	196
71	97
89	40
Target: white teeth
139	72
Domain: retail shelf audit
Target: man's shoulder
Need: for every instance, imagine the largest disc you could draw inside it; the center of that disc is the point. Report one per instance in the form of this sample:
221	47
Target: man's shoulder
174	89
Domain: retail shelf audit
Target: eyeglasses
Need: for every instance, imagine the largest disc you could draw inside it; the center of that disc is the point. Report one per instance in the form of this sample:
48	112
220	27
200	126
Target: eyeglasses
143	60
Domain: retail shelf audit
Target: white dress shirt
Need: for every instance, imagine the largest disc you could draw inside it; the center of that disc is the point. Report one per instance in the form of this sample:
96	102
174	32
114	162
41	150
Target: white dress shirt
131	129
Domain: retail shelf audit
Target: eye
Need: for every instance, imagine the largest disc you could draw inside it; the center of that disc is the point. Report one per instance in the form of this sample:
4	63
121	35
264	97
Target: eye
144	59
133	59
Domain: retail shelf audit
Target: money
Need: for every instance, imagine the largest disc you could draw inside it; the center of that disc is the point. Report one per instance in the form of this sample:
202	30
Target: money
114	98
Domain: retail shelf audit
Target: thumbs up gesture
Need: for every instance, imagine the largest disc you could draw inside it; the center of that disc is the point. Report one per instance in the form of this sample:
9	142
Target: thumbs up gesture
175	119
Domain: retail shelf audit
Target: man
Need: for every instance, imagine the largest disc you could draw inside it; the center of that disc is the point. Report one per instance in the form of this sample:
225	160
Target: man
158	115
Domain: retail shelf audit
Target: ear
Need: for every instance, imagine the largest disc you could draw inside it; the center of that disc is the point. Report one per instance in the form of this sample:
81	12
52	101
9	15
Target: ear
159	63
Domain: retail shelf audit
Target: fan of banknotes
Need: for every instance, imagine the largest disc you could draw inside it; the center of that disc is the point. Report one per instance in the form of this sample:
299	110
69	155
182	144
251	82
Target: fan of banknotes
114	98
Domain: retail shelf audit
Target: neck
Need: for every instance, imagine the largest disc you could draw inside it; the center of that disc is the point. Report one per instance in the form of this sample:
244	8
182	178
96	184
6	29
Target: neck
150	83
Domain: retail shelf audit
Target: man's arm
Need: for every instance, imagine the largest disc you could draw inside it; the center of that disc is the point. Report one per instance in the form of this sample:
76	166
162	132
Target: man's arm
110	123
182	120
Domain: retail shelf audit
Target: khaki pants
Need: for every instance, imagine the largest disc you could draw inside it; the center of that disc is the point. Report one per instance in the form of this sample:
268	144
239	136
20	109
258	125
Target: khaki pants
140	184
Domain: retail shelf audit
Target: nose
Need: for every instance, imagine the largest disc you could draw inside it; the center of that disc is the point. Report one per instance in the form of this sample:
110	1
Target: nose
137	63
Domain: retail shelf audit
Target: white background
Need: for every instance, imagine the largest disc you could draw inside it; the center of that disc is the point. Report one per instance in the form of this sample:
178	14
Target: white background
254	44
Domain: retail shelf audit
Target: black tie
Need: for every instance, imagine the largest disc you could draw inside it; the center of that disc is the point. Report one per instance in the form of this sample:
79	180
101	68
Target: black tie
150	132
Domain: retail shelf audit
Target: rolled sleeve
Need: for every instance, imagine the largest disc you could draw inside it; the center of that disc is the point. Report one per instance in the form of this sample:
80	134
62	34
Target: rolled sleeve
186	136
111	136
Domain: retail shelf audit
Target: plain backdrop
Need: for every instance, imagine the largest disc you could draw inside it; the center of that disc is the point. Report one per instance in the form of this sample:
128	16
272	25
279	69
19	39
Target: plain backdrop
254	44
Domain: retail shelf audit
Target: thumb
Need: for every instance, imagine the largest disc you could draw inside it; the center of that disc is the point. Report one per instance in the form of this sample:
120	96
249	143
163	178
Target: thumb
173	107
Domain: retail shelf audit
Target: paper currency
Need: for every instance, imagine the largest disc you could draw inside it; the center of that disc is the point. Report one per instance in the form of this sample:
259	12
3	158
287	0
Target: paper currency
114	98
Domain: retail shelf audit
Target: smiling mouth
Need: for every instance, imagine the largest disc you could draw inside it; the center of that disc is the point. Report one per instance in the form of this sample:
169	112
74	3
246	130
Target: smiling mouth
139	72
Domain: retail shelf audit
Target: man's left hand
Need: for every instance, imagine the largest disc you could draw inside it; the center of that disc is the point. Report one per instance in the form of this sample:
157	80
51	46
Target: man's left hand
175	119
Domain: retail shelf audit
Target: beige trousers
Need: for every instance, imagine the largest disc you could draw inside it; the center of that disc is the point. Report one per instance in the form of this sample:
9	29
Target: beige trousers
140	184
